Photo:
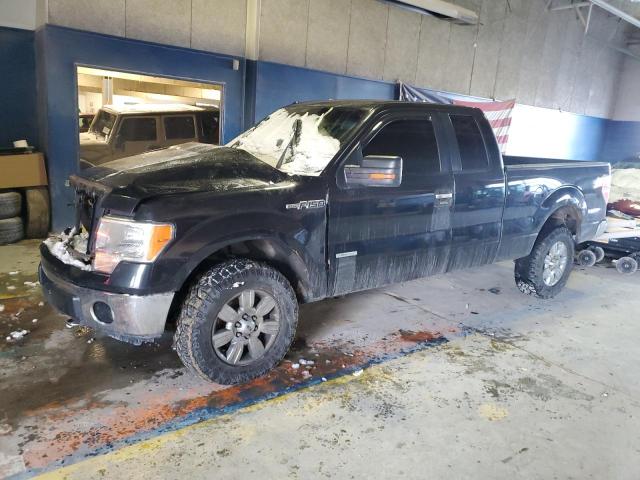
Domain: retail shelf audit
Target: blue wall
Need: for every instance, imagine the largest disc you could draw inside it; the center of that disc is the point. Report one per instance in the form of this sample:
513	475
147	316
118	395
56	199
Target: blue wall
277	85
18	119
622	142
546	133
60	50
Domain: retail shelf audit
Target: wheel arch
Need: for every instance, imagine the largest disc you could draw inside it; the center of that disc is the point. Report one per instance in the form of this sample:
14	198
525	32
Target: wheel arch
566	206
262	248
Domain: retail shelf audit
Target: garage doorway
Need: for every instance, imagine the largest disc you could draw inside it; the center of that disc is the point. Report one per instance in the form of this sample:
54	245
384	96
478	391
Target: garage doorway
121	114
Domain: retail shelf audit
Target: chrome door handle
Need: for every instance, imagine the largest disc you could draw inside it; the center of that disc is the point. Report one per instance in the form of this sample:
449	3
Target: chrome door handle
444	199
444	196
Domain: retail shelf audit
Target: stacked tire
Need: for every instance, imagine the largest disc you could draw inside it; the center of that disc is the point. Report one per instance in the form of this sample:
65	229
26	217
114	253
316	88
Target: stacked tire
11	227
26	216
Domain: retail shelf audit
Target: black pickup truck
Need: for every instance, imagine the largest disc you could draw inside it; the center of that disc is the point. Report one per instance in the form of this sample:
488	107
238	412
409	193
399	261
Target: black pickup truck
319	199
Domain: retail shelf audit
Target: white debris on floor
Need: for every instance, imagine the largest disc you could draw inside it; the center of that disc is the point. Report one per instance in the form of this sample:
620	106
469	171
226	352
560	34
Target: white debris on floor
357	373
302	361
1	307
17	335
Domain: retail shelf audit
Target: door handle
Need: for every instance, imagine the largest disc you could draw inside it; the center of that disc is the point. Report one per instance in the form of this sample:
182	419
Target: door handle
444	196
444	199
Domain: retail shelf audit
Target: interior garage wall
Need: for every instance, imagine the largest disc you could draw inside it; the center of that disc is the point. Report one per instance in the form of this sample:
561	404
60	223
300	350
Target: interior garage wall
622	138
210	25
519	50
60	50
18	87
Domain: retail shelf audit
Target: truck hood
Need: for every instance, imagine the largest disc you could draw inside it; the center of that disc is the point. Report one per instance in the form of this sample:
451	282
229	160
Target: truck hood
186	168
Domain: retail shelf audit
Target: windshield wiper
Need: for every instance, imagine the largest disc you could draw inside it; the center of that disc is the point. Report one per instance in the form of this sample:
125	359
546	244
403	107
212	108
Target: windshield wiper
295	140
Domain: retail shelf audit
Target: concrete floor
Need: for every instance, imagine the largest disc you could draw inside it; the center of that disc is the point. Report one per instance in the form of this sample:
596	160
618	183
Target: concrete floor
464	377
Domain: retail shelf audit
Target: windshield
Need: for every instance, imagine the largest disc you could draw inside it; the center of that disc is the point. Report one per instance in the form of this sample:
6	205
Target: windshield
301	140
103	123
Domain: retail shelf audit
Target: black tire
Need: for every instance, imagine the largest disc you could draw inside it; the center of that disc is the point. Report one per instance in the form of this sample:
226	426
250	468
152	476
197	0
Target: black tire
10	204
37	221
586	258
599	251
200	313
529	270
627	265
11	230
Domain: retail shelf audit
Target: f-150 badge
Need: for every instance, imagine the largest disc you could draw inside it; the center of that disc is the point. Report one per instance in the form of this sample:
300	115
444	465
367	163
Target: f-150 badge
306	204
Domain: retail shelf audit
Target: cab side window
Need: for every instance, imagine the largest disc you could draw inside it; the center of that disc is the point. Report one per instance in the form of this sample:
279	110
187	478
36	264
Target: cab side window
414	140
138	129
179	127
473	154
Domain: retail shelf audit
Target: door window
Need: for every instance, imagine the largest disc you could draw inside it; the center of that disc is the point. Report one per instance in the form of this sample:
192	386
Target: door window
414	140
179	127
138	129
473	154
209	127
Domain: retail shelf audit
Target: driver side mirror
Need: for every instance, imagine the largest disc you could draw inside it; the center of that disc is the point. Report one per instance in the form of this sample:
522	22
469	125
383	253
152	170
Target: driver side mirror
375	171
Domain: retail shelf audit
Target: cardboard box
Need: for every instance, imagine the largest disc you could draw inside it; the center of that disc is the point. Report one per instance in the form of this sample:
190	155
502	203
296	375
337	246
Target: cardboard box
23	170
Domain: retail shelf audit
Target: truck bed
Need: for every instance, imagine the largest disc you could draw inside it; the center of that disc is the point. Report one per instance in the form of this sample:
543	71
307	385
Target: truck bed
533	188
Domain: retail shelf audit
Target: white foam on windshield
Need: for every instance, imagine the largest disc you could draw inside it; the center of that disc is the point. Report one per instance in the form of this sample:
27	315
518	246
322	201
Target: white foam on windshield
268	139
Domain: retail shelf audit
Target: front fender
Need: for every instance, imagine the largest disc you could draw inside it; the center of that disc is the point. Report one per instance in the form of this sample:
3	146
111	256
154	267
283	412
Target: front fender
298	243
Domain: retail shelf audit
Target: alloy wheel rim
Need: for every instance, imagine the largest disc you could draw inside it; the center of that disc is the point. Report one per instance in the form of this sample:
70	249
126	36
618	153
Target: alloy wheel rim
555	263
246	327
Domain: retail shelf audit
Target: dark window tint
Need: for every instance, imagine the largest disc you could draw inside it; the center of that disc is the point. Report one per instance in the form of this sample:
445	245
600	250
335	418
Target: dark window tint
473	155
210	127
413	140
138	129
182	127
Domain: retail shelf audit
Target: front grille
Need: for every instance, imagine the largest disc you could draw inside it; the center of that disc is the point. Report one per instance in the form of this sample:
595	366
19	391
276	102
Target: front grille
88	204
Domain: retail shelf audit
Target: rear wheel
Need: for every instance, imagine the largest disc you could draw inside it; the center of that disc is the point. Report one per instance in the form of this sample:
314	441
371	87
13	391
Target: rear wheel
545	271
237	322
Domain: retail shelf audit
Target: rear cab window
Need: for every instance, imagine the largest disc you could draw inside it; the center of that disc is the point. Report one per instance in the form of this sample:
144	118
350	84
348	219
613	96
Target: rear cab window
473	154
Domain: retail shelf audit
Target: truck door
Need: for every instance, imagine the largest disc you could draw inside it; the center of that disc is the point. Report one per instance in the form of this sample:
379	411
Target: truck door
385	234
479	192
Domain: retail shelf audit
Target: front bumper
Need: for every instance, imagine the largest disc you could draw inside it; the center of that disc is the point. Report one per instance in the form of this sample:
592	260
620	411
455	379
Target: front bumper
134	319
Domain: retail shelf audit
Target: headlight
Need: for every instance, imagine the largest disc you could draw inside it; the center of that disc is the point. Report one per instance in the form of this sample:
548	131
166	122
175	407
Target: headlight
119	240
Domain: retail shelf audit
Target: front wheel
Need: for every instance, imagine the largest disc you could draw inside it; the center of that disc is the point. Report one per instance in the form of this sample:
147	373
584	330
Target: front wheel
237	322
545	271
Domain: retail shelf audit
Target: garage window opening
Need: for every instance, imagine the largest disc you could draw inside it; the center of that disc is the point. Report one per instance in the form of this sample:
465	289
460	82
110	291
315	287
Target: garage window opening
123	114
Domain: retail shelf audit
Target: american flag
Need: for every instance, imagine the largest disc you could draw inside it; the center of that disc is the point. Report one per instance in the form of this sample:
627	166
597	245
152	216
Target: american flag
499	115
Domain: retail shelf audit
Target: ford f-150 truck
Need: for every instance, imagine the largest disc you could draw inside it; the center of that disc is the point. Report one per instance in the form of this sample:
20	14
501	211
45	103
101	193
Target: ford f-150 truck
317	200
